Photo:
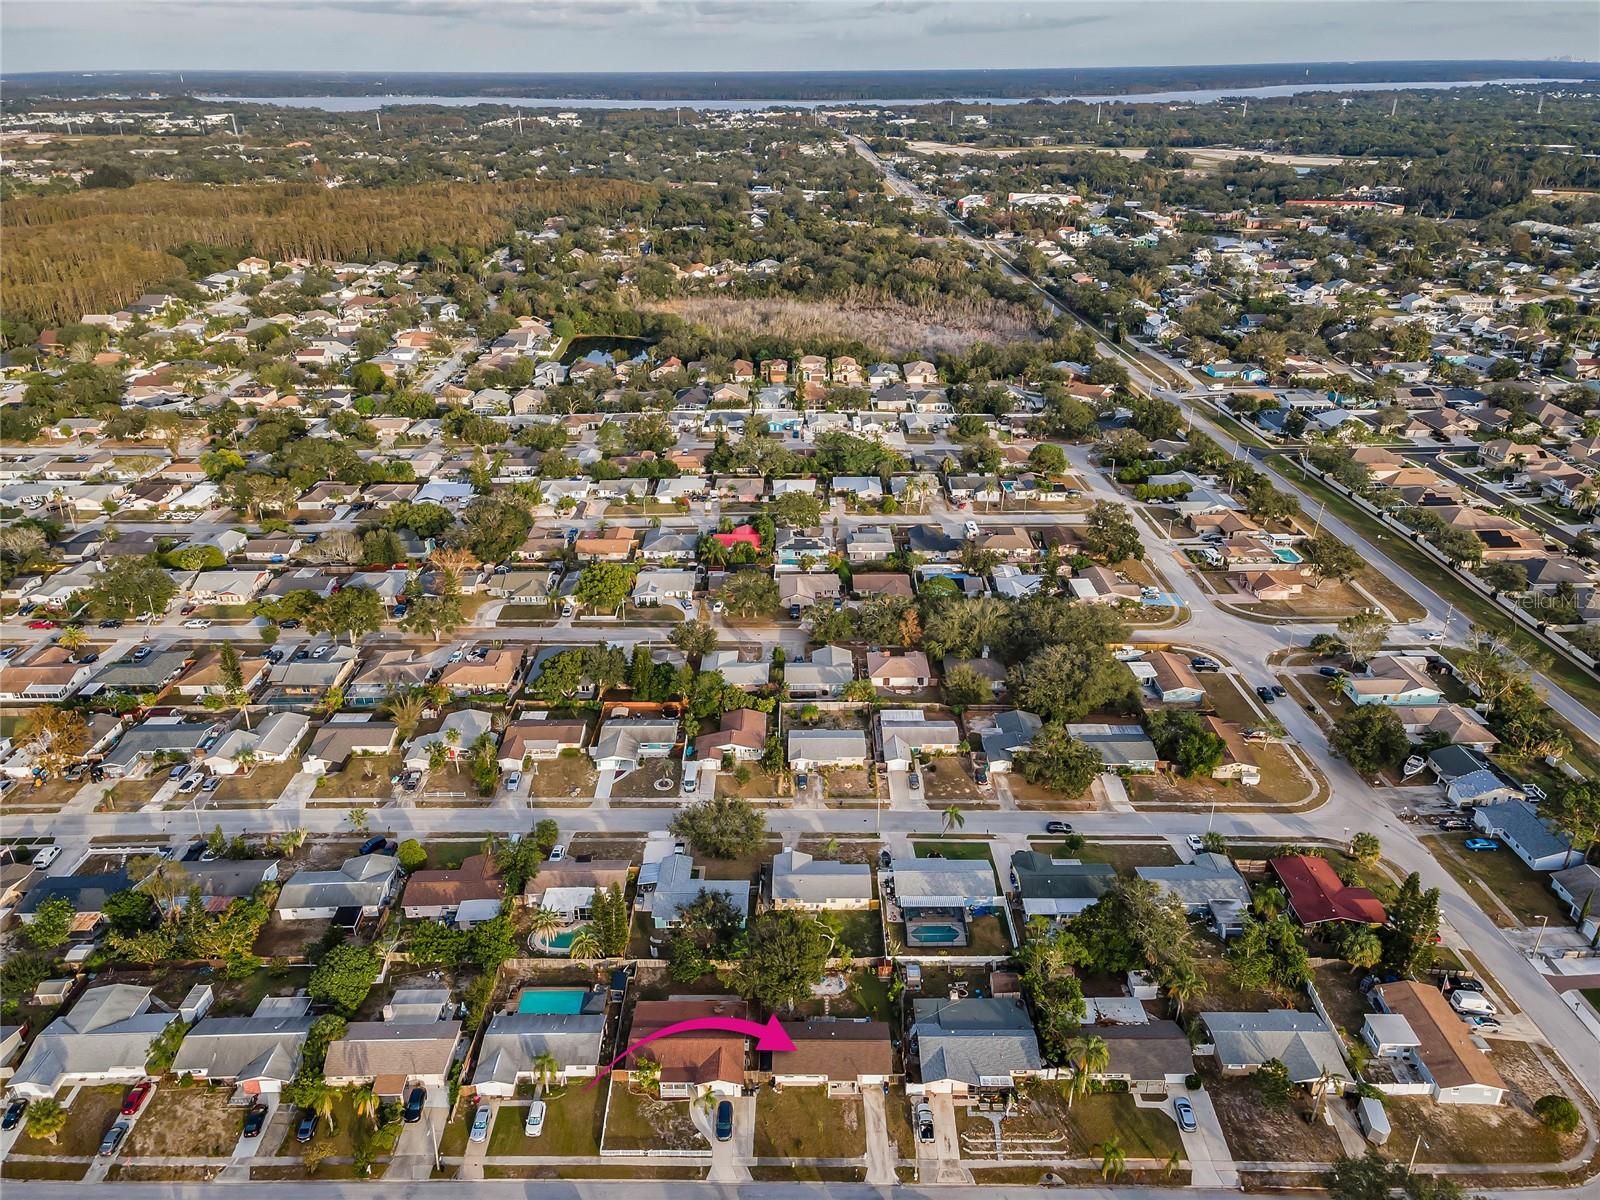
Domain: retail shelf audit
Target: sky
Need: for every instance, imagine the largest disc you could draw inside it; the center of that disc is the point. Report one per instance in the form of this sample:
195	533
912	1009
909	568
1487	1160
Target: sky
708	35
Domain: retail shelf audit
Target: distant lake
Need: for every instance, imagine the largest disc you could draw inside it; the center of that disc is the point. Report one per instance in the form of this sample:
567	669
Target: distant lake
369	103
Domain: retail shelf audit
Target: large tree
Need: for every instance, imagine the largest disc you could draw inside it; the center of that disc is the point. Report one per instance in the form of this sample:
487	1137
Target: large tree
1057	760
1110	534
1329	558
132	585
749	594
780	956
604	586
1064	682
723	827
1371	737
345	976
353	611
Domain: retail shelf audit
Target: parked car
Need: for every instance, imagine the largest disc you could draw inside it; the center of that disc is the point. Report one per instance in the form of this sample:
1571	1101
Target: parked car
924	1124
113	1138
191	784
197	623
885	859
372	845
307	1129
414	1103
291	623
971	528
111	623
134	1100
533	1126
41	624
557	852
514	781
179	771
800	781
45	857
1057	827
1329	672
725	1121
1185	1114
1482	844
13	1116
255	1120
1201	663
1267	695
1195	842
480	1123
212	783
915	780
1471	1004
1279	690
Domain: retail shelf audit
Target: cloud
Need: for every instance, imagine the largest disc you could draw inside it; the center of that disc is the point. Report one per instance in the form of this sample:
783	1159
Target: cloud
979	22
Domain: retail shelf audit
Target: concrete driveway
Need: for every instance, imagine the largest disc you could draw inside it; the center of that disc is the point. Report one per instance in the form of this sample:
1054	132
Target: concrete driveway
900	793
472	1161
940	1161
730	1160
882	1153
1210	1160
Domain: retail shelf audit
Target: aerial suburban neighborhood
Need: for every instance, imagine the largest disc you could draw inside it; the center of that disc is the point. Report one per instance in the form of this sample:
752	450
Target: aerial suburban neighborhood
898	643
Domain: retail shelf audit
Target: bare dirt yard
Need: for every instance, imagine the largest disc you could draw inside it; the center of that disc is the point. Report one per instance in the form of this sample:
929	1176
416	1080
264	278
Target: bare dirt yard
938	326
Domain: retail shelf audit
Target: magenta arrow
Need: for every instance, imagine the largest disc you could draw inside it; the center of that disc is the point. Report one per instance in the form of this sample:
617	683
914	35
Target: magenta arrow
768	1037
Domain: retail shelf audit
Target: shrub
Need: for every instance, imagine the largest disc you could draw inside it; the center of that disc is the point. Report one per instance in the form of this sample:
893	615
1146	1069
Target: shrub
1557	1113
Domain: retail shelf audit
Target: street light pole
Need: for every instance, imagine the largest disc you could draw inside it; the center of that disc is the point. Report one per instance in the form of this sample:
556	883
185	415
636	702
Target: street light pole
1544	923
1413	1162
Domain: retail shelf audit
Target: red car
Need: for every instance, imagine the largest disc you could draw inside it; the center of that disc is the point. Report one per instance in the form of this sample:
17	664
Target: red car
134	1100
41	624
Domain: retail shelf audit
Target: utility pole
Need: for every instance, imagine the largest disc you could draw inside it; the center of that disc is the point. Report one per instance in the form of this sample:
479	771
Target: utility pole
380	120
235	122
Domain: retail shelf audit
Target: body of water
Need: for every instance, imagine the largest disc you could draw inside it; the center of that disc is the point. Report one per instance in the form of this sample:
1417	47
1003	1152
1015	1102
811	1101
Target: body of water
370	103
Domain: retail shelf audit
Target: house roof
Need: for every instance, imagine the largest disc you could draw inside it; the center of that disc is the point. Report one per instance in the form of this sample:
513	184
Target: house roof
1040	877
258	1047
973	1039
1208	878
514	1040
698	1058
798	876
1519	821
1153	1050
1302	1042
837	1049
523	736
87	893
676	886
475	879
1317	894
826	745
361	881
1445	1041
943	882
1581	882
411	1048
109	1029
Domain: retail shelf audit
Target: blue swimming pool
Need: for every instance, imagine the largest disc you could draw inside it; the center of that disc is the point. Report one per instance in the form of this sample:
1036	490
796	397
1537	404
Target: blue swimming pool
1285	555
550	1001
934	935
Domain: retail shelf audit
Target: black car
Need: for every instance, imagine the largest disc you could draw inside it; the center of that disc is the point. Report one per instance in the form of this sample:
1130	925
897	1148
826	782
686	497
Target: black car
725	1121
111	623
91	657
371	846
1057	827
14	1112
414	1103
255	1120
1266	694
307	1129
885	859
1204	664
195	850
1279	690
291	623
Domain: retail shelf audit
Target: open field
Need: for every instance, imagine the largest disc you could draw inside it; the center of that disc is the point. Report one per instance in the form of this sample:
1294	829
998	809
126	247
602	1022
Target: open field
1207	157
936	327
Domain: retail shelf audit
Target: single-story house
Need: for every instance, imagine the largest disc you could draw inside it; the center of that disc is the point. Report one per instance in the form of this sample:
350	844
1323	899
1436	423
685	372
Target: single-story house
258	1054
811	749
105	1038
801	881
392	1056
1151	1058
1121	747
1579	889
496	672
825	673
1207	885
462	897
1517	823
273	740
539	740
347	735
1317	895
1303	1042
671	884
515	1041
1173	680
908	735
1394	679
366	882
712	1061
893	672
623	743
843	1054
1012	731
469	723
972	1043
743	734
1057	888
1445	1054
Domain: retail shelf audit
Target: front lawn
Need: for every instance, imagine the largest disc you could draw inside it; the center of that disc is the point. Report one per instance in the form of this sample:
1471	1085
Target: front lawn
950	780
1256	1133
566	777
186	1122
1472	1133
337	1132
803	1122
571	1125
91	1113
971	850
262	785
641	784
364	777
1525	893
1124	856
638	1122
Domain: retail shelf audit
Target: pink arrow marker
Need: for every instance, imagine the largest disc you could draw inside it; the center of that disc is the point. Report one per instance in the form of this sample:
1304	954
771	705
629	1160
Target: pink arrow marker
768	1037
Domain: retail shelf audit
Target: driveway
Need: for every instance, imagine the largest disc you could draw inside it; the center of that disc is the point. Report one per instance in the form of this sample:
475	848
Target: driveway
940	1162
900	793
729	1160
881	1150
472	1161
417	1149
1210	1160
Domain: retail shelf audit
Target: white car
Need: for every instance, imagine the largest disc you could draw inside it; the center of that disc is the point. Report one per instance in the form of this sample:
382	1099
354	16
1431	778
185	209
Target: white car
45	857
558	852
1195	842
197	623
514	781
191	784
1471	1004
972	529
534	1125
1433	635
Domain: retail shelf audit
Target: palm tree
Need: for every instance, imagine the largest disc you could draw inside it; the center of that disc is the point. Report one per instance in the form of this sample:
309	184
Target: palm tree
585	945
954	818
1183	985
246	759
290	841
1113	1159
452	739
542	923
545	1069
364	1103
405	710
73	638
323	1105
645	1075
358	819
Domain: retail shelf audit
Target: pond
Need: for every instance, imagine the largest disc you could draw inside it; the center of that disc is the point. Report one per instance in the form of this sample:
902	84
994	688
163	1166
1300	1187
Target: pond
606	344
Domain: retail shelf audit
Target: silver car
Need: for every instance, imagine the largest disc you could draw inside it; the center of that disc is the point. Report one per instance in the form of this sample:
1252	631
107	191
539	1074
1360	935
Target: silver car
480	1123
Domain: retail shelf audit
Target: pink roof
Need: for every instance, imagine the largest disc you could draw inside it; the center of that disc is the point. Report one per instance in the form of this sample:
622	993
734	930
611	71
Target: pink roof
744	534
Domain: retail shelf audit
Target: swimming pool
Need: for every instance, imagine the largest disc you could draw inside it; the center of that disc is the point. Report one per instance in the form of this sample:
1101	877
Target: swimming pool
934	935
562	940
1285	555
550	1001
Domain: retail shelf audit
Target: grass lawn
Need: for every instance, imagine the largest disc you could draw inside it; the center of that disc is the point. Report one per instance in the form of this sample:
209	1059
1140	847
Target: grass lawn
88	1117
1592	995
1390	594
1500	872
1330	602
571	1125
239	998
453	1141
840	783
51	794
1337	985
1472	1133
644	1123
338	1134
565	777
862	931
950	779
1036	796
897	1111
1256	1133
641	784
186	1122
803	1122
364	777
758	784
973	850
1143	1132
263	784
45	1170
1124	856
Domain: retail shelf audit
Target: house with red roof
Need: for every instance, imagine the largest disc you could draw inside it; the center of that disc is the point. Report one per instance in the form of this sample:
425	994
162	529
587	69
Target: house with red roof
1317	895
745	535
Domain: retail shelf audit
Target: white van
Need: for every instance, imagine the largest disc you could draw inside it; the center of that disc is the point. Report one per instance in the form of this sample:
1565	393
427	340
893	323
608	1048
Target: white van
45	857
